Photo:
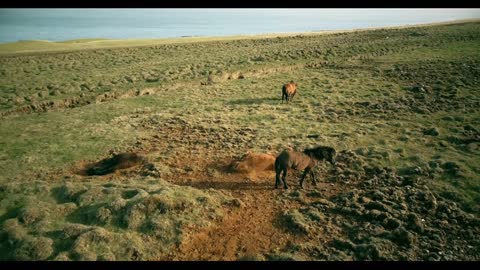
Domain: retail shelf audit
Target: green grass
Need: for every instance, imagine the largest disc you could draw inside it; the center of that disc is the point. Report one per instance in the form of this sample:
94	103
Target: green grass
90	219
29	46
450	51
361	100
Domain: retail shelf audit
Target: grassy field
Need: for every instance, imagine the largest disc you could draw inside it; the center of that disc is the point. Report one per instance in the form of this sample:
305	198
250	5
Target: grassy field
400	106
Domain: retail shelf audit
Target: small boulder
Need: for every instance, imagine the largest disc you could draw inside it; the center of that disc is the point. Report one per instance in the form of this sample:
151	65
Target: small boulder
431	131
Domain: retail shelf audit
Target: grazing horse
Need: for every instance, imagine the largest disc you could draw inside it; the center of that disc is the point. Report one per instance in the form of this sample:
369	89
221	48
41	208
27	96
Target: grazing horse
288	91
306	160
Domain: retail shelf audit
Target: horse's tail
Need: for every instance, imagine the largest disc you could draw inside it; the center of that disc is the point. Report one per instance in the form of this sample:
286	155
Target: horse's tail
277	172
284	92
278	167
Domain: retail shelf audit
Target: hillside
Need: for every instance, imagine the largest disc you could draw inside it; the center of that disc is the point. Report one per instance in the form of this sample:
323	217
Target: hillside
400	106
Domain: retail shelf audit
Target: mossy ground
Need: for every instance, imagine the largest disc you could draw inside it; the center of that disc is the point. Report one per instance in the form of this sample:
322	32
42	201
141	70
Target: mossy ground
402	99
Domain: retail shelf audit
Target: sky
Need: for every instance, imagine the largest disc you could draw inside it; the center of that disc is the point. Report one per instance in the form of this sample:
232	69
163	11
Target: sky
329	13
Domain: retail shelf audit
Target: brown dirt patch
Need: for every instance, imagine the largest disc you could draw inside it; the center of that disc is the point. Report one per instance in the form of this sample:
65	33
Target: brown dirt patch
255	228
252	230
247	231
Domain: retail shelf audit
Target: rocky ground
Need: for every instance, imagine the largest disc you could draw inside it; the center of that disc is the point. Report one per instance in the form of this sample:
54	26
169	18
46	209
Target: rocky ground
164	152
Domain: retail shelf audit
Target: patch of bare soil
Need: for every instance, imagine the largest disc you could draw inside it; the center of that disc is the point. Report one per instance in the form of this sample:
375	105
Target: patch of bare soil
253	229
250	231
357	212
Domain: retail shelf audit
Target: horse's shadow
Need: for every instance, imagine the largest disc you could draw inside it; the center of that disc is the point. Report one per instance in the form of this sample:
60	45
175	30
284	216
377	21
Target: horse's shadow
250	101
232	185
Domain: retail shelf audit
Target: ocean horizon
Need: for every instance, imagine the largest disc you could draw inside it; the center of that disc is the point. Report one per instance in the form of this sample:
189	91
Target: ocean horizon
69	24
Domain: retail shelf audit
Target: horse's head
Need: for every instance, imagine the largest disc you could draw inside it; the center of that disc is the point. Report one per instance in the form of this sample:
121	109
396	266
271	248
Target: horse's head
322	152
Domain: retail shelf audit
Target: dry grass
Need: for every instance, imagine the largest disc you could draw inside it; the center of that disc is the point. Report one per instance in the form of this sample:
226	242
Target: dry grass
403	108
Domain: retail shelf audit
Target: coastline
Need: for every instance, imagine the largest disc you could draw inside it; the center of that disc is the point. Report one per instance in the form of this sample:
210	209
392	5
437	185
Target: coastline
46	46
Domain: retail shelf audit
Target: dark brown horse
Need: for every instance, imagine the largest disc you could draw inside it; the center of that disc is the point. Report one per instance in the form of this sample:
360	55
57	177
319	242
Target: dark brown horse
288	91
306	160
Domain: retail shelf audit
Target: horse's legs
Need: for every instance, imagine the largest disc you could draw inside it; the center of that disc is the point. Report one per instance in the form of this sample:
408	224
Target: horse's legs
284	176
312	174
277	178
303	176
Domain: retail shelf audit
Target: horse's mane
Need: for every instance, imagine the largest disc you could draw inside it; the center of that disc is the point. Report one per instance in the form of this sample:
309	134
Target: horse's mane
317	152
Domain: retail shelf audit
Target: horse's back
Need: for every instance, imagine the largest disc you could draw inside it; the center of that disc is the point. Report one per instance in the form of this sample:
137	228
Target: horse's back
290	88
291	159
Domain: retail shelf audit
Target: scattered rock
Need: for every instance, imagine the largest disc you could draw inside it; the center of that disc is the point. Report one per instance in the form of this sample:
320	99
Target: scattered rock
402	237
342	244
431	131
131	79
235	202
452	168
152	79
420	88
391	223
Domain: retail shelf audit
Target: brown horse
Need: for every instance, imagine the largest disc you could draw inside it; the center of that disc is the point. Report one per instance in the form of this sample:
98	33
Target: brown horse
288	91
306	161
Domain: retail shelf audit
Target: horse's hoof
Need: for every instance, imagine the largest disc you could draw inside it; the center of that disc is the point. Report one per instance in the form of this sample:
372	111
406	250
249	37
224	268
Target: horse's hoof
286	187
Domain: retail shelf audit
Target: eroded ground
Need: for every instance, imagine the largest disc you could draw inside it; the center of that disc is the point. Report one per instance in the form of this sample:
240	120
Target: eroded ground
400	107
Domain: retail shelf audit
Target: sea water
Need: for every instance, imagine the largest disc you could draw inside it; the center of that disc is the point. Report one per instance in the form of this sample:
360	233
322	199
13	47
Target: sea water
67	23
